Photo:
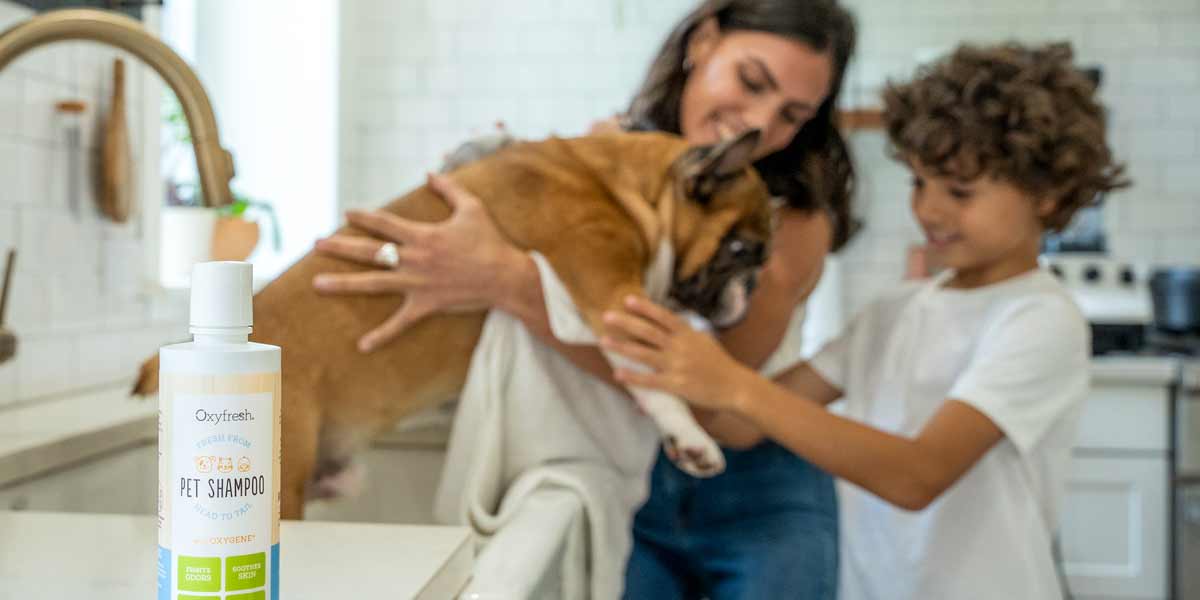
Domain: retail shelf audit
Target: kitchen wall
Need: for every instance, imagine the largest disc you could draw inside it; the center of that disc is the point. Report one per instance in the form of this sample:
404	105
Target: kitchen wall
1150	53
420	75
77	303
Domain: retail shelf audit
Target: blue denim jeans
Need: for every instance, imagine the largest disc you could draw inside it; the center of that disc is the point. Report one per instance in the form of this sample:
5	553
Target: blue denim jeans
765	528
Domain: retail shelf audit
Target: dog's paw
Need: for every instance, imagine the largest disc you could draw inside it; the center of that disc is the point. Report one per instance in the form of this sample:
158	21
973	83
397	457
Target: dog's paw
348	482
696	454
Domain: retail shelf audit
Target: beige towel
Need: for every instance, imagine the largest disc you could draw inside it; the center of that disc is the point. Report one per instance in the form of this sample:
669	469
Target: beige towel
529	420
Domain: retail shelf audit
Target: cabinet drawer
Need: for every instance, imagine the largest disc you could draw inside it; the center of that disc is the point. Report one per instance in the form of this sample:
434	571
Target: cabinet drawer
1125	417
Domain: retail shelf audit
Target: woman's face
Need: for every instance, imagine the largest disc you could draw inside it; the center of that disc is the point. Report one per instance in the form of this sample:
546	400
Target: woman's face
751	80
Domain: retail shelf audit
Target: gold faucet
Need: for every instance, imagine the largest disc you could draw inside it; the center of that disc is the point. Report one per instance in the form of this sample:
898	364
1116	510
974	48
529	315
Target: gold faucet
214	163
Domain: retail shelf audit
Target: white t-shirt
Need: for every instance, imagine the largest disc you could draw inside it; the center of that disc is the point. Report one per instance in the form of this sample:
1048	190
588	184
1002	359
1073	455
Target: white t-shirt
1018	351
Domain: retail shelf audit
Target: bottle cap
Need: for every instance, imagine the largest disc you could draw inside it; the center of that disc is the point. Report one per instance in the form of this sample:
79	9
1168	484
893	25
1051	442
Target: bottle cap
221	294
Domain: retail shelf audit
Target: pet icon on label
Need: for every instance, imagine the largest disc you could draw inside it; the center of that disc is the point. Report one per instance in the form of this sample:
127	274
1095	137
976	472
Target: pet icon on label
243	465
204	464
225	465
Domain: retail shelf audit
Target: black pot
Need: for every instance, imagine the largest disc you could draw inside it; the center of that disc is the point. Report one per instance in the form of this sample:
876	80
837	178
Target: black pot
1176	294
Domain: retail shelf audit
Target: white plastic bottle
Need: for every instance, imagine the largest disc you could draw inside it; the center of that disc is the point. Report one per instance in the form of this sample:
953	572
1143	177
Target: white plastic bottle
218	449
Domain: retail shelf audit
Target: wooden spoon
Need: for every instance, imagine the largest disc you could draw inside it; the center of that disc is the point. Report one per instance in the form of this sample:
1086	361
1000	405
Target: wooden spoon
116	165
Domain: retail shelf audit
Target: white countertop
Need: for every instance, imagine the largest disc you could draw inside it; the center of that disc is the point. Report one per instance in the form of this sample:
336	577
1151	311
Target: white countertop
113	557
53	433
41	437
1135	370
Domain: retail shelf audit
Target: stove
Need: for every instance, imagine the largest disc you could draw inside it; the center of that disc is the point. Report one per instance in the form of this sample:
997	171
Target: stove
1114	296
1162	343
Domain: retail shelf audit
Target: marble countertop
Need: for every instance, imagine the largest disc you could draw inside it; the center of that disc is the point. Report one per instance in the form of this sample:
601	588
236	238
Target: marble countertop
113	557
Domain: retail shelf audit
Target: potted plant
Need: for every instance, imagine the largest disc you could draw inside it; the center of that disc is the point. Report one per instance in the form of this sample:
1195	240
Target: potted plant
189	231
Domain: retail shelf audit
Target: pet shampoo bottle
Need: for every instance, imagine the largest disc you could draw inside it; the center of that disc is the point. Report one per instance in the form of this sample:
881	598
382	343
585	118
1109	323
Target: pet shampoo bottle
218	449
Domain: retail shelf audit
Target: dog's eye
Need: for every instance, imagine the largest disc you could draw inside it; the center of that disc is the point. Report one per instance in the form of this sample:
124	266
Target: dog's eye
737	246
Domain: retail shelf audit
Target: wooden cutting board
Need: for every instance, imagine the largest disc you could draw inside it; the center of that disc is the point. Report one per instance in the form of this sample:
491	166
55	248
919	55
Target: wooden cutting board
116	163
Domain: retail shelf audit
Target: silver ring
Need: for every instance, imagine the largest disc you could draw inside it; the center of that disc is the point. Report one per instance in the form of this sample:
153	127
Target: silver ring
388	255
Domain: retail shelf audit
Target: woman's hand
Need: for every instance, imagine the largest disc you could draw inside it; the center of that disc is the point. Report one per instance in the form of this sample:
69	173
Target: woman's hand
684	362
455	265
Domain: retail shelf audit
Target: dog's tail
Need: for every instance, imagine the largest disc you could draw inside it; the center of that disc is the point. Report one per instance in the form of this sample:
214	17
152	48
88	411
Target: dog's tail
147	381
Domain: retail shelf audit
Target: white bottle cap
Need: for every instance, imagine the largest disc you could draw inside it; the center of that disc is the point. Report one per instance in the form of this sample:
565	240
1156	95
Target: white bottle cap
221	294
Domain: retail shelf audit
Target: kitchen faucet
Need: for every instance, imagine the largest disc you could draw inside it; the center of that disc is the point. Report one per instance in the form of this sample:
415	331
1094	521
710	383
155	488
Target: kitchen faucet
214	163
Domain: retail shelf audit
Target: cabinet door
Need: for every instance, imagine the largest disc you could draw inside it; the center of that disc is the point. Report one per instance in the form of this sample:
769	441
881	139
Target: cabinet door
121	483
1114	527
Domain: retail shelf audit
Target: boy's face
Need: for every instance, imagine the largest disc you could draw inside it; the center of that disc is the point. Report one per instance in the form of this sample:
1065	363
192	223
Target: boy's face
986	229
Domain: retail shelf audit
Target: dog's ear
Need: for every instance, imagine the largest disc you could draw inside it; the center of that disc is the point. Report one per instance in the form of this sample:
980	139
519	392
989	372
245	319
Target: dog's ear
705	167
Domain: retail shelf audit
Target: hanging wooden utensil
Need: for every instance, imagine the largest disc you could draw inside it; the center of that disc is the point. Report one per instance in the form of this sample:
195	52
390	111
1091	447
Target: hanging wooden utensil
8	340
116	164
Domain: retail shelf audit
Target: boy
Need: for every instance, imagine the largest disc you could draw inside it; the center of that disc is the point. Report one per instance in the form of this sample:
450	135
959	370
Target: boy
962	393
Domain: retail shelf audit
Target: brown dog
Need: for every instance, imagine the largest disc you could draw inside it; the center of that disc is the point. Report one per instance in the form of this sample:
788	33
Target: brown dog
596	208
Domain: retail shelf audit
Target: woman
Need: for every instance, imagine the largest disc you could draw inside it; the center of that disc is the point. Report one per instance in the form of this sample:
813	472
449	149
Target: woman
768	524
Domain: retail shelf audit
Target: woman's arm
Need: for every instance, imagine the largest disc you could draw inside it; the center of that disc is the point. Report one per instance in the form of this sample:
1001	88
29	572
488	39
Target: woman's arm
908	472
521	296
463	263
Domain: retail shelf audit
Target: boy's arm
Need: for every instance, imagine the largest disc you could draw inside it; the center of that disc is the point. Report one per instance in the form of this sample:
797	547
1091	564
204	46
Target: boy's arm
735	431
789	277
907	472
804	380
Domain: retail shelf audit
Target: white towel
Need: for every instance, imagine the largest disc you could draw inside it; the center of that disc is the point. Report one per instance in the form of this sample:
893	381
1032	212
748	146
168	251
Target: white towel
529	419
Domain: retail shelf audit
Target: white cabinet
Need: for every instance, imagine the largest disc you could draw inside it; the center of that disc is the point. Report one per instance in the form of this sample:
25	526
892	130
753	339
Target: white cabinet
119	483
1115	520
1114	527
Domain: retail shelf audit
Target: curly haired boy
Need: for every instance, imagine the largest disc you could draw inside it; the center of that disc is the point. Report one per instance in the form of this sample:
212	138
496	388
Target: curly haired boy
961	393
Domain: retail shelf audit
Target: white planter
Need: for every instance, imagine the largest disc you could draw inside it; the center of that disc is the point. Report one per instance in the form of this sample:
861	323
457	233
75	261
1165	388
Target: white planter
186	235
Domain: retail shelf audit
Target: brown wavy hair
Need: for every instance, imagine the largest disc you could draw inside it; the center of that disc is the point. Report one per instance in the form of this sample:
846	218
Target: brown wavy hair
1023	115
814	171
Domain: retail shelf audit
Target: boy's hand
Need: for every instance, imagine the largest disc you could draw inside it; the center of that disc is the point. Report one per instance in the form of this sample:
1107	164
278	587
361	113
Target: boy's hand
684	362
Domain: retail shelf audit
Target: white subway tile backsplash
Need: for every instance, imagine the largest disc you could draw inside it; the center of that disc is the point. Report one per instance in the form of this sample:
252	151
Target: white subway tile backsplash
1183	107
486	42
1165	72
76	272
1159	214
12	172
1138	108
8	382
1125	34
1140	247
1181	249
1164	142
1183	179
1182	34
47	366
451	68
12	99
393	79
10	13
444	13
9	232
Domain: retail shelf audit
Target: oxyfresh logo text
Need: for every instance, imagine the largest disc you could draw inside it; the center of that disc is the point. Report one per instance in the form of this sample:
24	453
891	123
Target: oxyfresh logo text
215	418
